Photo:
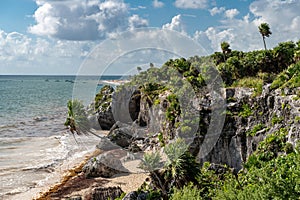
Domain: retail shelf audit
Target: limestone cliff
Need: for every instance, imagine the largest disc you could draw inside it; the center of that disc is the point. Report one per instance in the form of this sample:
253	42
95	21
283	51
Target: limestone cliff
248	120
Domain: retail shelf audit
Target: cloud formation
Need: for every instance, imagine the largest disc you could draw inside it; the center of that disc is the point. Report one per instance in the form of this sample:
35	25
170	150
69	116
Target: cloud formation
242	33
136	22
231	13
191	4
157	4
19	52
215	10
83	20
176	24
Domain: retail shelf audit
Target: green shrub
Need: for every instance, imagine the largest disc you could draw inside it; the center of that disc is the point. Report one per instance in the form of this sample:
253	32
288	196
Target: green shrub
255	129
173	109
250	82
277	120
289	78
246	111
297	119
189	192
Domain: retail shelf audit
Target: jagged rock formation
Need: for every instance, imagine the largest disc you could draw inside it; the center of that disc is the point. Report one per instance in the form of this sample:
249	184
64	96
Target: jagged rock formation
105	165
269	112
248	120
106	193
103	106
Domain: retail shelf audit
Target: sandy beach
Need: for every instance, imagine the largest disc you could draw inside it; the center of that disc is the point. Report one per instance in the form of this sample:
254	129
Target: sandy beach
74	183
71	181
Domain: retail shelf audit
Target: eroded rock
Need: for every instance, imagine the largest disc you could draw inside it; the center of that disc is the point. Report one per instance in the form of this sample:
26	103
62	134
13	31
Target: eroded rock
105	165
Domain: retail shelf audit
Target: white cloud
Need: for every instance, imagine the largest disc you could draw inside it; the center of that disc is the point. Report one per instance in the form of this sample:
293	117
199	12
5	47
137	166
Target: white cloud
176	24
47	23
82	20
231	13
214	11
191	4
136	22
242	33
21	54
157	4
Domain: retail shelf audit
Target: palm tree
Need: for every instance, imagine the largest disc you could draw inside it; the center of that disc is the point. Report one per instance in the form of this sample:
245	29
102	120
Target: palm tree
225	49
77	120
151	163
264	30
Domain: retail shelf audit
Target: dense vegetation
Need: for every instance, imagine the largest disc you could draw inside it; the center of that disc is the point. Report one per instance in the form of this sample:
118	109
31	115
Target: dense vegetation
271	172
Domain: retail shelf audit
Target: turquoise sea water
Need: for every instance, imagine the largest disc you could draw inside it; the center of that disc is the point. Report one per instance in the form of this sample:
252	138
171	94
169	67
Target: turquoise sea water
33	139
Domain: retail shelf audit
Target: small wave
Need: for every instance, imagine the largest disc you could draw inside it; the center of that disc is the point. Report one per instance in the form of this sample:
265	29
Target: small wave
8	126
40	119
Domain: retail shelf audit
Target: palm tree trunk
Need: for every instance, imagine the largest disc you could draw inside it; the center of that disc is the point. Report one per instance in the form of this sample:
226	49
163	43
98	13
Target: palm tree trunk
264	43
163	190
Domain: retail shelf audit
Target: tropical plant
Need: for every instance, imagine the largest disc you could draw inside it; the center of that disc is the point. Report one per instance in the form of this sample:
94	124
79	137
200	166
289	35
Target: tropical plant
187	193
225	49
265	31
151	163
181	167
77	120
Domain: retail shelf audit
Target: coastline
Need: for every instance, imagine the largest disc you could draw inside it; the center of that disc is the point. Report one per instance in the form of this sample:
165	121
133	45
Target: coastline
67	176
58	174
74	183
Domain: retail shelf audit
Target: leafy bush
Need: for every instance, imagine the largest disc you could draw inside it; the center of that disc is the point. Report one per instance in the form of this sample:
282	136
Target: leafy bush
289	78
255	129
246	111
77	118
187	193
103	98
276	120
250	82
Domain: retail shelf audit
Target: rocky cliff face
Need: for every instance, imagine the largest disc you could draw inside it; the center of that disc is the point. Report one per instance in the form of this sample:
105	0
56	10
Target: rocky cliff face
248	121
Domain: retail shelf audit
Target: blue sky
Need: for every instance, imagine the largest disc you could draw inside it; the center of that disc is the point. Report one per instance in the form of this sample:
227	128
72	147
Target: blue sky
55	36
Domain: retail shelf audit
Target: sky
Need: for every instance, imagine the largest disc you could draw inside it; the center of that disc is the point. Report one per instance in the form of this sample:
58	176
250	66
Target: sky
56	36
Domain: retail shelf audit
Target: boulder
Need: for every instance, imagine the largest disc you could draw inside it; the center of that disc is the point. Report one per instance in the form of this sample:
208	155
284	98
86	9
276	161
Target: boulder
104	165
106	145
121	134
131	196
93	122
103	106
136	196
100	193
105	118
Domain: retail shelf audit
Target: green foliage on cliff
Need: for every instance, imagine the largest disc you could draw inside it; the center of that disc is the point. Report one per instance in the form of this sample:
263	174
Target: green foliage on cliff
239	65
272	172
289	78
245	111
104	97
255	129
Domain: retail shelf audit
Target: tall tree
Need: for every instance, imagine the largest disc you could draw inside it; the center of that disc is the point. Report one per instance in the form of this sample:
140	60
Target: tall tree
225	49
265	31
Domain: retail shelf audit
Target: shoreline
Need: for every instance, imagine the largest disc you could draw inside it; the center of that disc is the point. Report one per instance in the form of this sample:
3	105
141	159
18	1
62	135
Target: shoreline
74	183
67	176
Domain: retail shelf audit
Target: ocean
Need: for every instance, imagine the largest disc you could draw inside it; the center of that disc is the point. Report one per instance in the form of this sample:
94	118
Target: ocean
34	143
